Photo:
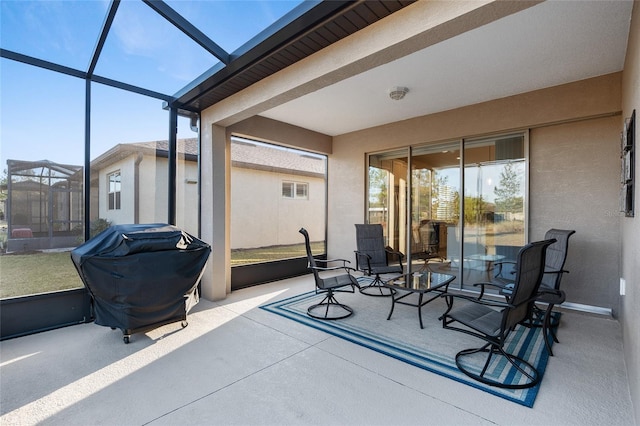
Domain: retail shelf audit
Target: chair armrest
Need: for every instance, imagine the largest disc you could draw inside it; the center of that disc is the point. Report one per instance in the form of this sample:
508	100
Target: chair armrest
561	271
389	250
485	284
344	261
396	253
486	302
552	291
332	268
360	265
327	267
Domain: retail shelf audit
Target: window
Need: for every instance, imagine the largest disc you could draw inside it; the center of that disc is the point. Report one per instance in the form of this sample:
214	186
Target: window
114	190
297	190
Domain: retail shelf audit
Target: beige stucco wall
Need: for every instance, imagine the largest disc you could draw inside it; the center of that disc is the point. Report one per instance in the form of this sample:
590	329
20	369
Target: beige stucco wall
187	196
630	227
152	204
585	192
127	176
262	217
154	177
575	181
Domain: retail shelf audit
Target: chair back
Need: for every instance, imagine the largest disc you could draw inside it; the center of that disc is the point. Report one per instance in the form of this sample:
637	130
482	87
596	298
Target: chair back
530	268
425	238
311	260
556	257
370	241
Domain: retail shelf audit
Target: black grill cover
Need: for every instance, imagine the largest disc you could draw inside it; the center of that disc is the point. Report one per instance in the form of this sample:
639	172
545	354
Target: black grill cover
142	275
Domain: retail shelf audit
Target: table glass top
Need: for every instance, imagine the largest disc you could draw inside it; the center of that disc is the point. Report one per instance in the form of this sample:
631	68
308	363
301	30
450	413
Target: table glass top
424	281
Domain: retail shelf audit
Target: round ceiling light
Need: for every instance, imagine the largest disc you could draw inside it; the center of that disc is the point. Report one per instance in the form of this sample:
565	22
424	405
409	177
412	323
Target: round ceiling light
398	92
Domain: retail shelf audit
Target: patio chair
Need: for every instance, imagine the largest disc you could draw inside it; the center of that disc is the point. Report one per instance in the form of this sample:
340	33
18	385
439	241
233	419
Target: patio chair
425	243
549	292
492	321
372	258
329	308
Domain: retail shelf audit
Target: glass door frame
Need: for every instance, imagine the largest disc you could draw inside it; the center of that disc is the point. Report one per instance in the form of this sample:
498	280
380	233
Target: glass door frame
461	145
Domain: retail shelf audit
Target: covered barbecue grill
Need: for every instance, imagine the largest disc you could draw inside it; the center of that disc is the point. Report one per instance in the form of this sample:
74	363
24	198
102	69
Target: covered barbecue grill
141	276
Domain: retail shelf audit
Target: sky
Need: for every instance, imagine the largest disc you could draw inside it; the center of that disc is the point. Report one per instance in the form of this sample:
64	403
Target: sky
42	112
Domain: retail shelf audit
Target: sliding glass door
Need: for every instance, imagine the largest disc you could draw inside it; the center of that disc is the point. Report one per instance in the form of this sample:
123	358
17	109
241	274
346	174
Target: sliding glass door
435	206
388	196
494	203
458	207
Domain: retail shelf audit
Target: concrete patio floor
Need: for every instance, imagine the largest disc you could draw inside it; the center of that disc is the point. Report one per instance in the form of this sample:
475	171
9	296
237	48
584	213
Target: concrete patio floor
238	364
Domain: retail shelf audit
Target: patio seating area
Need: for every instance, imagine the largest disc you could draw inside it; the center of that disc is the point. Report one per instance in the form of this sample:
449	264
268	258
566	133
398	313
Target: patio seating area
238	364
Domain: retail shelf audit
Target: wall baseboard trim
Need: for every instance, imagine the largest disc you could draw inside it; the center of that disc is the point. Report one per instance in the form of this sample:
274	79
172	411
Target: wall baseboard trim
598	310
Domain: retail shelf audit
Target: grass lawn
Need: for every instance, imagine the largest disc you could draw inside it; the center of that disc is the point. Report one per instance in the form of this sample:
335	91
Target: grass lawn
24	274
33	273
265	254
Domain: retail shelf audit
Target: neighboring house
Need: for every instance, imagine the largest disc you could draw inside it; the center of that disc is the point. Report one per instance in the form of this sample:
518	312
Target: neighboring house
275	192
127	180
273	189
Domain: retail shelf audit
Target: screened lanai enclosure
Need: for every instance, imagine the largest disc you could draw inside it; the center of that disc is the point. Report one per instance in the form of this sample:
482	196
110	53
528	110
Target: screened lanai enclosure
106	79
44	207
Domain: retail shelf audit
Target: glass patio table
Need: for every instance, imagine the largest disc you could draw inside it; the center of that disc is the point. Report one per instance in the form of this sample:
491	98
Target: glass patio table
420	283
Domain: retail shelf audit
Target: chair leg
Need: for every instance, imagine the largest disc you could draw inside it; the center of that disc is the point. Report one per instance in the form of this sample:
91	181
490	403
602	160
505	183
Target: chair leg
527	370
548	330
329	309
376	288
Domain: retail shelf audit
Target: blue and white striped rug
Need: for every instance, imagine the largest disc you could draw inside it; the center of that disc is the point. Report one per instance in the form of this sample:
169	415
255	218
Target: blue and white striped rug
432	348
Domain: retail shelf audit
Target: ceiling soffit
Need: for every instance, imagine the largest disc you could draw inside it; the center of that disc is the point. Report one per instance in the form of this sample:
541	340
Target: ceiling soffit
325	24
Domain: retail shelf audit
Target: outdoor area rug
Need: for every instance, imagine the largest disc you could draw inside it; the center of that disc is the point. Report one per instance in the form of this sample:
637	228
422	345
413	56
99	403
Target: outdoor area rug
432	348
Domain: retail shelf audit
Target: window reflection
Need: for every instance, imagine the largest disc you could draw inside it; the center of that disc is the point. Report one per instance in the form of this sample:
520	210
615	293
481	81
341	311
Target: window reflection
435	206
494	203
388	196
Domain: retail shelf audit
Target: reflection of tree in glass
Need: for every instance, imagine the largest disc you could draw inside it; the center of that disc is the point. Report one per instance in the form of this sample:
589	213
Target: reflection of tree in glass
377	187
474	208
378	194
424	193
507	193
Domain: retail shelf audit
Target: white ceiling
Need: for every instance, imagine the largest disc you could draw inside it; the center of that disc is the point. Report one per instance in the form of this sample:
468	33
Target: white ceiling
552	43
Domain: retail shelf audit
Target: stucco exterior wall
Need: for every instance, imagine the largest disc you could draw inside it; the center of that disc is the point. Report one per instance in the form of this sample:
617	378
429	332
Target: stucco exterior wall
154	178
574	184
262	217
630	227
590	110
127	176
152	203
187	196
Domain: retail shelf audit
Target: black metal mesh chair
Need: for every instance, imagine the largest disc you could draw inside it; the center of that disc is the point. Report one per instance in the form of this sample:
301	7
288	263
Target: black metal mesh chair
492	321
329	308
549	292
372	258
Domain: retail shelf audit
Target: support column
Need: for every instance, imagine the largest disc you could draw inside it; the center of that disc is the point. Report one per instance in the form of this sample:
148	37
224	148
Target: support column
215	205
